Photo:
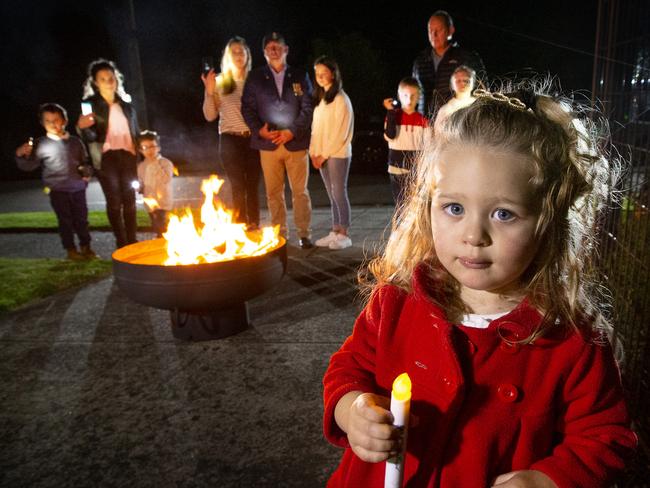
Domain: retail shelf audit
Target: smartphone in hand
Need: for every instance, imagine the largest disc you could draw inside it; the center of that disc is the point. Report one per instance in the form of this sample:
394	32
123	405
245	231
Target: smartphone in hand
86	108
207	63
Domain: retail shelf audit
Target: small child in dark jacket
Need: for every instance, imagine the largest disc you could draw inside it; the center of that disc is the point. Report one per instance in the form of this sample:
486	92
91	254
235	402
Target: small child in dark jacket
66	172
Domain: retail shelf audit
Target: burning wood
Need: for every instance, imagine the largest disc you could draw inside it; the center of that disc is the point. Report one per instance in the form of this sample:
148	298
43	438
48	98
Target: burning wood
219	238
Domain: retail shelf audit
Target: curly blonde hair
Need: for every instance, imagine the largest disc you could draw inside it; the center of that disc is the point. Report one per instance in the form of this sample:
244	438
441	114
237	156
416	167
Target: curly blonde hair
573	178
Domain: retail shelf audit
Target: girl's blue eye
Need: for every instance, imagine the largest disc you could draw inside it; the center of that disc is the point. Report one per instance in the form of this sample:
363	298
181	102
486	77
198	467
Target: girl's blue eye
503	215
454	209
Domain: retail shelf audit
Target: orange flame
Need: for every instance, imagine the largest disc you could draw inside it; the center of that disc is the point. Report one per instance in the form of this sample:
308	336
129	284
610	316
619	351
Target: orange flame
219	239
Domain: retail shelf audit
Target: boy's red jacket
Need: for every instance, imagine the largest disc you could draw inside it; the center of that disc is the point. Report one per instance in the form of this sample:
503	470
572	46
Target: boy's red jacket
484	407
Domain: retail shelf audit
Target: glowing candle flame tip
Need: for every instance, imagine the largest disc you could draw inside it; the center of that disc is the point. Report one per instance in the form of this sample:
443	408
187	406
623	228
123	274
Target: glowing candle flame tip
402	387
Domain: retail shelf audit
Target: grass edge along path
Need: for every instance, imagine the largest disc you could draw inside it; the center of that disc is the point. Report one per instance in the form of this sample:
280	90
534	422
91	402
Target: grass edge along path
26	279
97	219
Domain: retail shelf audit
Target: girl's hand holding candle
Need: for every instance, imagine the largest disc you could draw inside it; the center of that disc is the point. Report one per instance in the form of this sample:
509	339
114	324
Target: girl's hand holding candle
368	423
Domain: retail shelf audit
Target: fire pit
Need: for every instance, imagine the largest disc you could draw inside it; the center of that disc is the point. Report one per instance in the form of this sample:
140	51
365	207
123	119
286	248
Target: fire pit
207	300
204	276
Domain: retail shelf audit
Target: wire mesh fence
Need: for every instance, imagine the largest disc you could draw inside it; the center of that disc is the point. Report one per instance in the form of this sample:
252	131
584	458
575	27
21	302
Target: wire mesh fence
622	84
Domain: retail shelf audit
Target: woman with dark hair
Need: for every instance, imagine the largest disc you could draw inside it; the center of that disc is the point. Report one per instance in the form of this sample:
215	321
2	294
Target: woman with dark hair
330	147
223	99
110	129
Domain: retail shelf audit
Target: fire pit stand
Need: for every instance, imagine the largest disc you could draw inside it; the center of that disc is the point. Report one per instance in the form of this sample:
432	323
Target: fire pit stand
206	301
190	326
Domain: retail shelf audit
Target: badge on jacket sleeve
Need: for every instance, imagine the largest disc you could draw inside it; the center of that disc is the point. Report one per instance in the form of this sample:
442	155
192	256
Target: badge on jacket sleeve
297	89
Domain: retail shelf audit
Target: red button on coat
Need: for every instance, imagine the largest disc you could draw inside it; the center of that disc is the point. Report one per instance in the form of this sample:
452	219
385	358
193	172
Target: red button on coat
507	393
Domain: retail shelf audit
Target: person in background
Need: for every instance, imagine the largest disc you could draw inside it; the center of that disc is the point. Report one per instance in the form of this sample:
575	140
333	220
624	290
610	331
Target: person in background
463	82
110	130
66	173
433	67
330	147
485	296
404	129
277	106
155	175
222	99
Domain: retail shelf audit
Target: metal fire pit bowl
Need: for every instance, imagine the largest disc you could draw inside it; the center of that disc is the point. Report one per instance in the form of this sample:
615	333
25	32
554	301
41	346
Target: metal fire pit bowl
206	301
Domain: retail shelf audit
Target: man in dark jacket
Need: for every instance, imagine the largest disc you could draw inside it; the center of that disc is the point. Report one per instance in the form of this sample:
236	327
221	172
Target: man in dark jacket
433	67
277	106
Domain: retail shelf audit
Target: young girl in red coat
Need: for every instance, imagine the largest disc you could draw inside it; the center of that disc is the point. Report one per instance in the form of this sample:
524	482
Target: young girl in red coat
485	296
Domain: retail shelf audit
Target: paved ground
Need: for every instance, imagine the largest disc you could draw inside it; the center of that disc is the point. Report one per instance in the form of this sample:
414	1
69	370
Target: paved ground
95	391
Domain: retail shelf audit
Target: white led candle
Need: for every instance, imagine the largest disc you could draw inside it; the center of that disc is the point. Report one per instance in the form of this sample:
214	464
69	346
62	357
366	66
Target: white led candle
400	406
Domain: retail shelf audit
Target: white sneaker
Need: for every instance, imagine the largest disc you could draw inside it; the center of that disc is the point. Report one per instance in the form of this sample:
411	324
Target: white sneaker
327	240
341	242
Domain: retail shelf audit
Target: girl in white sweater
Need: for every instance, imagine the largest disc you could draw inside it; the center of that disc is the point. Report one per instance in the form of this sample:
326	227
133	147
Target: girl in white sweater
330	147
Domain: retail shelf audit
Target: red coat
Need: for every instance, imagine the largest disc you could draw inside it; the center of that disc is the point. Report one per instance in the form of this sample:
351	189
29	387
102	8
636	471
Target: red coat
485	408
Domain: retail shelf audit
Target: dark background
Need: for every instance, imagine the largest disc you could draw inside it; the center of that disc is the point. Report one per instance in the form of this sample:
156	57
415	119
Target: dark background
47	46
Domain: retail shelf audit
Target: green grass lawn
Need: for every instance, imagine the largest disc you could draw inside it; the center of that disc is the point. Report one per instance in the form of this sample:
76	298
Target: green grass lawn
47	220
24	280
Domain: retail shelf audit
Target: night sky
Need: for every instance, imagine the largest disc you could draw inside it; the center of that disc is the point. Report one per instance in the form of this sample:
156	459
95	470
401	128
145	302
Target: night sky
46	48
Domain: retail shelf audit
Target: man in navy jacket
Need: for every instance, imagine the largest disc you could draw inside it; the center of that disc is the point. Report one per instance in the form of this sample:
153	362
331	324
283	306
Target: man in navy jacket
277	107
434	66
